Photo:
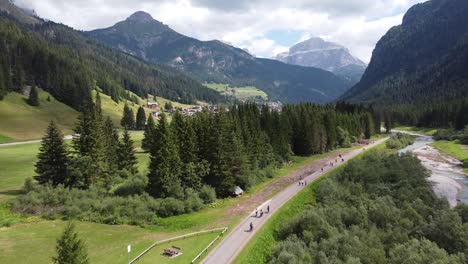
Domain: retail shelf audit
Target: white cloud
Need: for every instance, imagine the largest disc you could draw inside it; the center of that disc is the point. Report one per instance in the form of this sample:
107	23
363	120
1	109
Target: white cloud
356	24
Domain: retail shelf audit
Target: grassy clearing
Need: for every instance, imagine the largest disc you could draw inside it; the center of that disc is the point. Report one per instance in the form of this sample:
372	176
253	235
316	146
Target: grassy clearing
454	149
35	242
115	110
16	164
20	121
419	130
190	248
247	93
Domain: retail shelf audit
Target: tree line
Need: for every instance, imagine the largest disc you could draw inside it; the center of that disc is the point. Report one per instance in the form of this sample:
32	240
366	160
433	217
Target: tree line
193	160
67	64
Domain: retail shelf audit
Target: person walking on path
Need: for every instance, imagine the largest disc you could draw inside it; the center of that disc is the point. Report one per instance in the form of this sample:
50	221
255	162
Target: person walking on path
268	209
251	226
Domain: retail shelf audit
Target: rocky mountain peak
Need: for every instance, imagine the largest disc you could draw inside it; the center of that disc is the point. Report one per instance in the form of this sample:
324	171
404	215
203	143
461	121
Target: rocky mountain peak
140	16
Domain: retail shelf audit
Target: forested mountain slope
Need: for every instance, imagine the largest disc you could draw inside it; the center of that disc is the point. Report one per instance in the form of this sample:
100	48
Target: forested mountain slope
421	65
214	61
68	65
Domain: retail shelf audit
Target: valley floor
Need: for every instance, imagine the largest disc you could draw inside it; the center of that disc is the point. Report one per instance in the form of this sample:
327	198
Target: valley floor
35	238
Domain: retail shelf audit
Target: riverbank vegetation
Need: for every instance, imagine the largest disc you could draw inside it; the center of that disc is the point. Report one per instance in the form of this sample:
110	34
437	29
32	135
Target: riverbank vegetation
399	141
379	209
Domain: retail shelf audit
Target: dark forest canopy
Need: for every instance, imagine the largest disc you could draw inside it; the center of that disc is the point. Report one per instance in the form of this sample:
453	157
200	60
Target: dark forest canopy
63	62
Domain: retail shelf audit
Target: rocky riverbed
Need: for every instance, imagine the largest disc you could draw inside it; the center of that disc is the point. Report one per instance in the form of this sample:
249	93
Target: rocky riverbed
447	178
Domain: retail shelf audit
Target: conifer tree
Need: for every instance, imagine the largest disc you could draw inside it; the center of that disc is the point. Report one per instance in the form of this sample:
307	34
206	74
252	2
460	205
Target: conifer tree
140	119
33	99
128	118
51	166
368	125
148	135
98	105
111	138
3	89
164	169
127	158
70	249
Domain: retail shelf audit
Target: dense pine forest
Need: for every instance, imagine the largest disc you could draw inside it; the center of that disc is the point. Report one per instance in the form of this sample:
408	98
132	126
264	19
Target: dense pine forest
63	62
194	160
378	209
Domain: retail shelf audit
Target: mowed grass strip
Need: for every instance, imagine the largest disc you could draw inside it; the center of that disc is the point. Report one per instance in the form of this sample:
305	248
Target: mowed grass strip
35	242
241	93
454	149
190	248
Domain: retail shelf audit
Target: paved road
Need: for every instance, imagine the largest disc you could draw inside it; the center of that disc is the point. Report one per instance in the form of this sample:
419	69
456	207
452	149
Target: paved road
30	142
233	244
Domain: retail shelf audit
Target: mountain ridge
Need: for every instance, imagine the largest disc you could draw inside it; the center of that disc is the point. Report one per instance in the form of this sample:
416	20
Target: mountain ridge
329	56
411	61
217	62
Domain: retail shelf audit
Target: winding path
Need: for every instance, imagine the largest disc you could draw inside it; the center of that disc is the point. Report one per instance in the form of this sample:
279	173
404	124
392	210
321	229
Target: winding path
232	245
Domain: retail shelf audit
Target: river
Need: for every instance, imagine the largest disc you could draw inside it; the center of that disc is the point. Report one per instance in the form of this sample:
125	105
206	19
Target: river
447	176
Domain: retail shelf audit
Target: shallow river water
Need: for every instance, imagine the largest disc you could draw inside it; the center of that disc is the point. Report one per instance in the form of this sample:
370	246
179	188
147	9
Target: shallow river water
447	176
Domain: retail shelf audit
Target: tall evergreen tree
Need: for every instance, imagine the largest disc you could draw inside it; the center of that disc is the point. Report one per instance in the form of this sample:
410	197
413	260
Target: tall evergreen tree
111	138
33	99
127	158
3	89
368	125
70	249
148	135
140	119
51	166
164	169
128	118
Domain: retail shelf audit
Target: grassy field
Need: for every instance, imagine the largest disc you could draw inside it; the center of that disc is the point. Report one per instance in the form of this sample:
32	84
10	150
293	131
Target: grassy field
454	149
35	242
248	93
419	130
16	164
20	121
190	248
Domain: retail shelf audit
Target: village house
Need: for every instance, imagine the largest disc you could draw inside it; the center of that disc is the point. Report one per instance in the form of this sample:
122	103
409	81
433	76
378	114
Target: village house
152	105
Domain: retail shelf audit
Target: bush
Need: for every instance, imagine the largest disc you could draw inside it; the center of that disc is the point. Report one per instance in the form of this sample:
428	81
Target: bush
399	141
134	185
446	134
208	194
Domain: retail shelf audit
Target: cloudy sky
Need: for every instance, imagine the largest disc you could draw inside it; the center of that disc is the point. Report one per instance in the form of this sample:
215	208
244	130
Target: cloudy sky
264	27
